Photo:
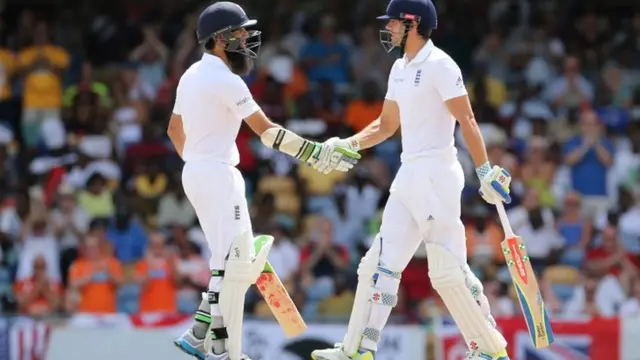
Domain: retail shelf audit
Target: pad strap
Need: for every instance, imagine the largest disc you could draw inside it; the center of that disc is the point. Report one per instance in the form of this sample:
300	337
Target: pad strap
213	297
217	273
219	333
203	317
389	273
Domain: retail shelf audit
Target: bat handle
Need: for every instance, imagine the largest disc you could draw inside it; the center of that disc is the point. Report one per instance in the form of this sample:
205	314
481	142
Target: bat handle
506	225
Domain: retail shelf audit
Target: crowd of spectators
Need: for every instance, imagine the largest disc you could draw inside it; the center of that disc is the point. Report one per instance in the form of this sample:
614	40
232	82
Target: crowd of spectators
93	217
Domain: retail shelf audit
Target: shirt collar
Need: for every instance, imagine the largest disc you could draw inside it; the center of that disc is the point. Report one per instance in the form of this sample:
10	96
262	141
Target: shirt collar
213	60
423	54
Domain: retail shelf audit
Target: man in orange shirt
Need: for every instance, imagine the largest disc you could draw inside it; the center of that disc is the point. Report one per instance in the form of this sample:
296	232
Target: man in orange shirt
38	295
156	274
360	112
94	280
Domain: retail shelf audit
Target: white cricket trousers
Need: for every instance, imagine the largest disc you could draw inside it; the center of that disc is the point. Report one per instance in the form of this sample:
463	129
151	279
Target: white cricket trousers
423	206
217	193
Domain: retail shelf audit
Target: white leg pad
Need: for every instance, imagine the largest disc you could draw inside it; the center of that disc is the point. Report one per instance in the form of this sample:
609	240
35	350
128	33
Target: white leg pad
241	271
461	292
361	305
370	290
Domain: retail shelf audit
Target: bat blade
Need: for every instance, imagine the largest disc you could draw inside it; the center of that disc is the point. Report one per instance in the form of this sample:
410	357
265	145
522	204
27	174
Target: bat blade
282	306
528	292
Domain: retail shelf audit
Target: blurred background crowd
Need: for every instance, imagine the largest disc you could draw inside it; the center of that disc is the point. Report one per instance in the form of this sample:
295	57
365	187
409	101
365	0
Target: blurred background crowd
93	217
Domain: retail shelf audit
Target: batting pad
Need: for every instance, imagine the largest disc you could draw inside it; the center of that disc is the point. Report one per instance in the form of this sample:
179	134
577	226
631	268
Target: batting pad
459	292
240	272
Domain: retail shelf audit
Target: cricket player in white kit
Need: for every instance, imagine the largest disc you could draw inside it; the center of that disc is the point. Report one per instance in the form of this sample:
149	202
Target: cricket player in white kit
212	100
426	95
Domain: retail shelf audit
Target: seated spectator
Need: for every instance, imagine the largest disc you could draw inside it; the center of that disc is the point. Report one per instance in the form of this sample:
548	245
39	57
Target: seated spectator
341	302
40	294
597	296
96	199
38	241
484	236
127	236
575	230
70	223
157	276
611	258
94	280
536	225
174	208
571	89
631	307
192	270
361	112
284	255
589	156
148	184
321	260
538	171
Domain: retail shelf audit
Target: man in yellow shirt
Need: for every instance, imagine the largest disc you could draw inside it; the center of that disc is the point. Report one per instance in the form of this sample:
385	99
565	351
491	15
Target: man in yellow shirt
42	66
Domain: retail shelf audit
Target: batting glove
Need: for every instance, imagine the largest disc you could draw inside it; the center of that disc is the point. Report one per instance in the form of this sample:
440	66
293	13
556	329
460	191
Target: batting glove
333	155
494	184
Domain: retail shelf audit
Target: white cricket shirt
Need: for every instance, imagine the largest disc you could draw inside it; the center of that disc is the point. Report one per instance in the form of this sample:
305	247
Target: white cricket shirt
420	88
213	102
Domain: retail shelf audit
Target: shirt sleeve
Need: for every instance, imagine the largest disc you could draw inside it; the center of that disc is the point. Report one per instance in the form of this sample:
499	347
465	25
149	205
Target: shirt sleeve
448	80
176	105
390	89
238	98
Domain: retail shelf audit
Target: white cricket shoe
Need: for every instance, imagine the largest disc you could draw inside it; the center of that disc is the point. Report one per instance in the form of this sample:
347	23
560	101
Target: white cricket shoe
502	355
191	345
225	356
337	353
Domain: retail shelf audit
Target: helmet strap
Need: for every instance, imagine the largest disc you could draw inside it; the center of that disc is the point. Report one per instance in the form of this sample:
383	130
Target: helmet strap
407	27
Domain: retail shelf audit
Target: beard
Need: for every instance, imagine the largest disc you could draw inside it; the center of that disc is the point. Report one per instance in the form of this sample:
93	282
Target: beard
240	64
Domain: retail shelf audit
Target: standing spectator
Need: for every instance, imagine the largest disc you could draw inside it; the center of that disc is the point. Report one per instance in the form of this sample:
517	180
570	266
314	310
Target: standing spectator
42	66
94	280
152	56
157	276
589	157
40	294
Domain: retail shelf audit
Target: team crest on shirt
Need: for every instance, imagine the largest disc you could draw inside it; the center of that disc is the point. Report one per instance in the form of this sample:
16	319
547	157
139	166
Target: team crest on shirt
416	81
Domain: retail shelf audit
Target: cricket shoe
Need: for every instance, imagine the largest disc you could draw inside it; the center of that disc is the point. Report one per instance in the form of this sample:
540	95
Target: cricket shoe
502	355
337	353
225	356
191	345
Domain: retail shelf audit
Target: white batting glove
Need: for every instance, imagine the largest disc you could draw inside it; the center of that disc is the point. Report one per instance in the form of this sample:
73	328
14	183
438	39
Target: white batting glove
333	154
494	184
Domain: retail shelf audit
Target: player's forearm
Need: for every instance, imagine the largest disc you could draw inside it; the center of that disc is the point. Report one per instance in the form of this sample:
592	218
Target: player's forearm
288	142
475	142
373	134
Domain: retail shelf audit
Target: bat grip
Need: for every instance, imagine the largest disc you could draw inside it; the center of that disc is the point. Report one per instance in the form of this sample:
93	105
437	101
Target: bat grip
506	225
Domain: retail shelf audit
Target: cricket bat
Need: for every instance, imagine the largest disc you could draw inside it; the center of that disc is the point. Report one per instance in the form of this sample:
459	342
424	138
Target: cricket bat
278	299
526	285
